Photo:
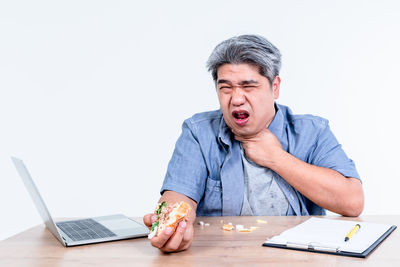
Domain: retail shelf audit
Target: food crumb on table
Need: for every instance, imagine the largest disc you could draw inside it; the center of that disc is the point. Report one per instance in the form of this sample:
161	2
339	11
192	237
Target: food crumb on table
228	227
239	227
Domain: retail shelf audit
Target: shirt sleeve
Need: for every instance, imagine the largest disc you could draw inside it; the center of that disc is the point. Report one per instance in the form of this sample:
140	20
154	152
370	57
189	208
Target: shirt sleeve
328	153
187	172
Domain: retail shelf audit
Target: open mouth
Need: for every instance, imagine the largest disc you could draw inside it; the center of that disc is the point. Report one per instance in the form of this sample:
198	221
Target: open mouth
241	117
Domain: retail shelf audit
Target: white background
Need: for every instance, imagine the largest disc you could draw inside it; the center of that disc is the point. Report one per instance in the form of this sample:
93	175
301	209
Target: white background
93	93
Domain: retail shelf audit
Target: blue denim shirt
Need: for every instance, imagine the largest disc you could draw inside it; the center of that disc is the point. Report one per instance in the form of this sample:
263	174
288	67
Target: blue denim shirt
207	167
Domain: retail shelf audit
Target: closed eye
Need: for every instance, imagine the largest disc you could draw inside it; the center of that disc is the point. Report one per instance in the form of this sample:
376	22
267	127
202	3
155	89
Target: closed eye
249	87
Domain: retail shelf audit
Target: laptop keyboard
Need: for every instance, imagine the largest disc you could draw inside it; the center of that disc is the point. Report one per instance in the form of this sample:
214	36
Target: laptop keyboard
84	229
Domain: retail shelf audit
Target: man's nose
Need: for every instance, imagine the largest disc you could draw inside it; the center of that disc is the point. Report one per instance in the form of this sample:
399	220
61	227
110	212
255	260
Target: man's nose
238	97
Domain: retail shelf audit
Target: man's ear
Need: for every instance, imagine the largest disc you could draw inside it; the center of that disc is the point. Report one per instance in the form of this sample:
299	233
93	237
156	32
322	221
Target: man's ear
276	84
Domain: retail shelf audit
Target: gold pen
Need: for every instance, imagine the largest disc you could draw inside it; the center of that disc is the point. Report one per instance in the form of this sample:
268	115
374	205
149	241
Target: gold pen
352	232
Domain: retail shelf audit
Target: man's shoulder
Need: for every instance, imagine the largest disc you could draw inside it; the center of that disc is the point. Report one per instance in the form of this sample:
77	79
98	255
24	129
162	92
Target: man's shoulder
299	121
206	117
206	125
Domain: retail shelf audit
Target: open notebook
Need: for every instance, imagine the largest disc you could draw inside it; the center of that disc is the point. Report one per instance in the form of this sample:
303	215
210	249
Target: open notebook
327	236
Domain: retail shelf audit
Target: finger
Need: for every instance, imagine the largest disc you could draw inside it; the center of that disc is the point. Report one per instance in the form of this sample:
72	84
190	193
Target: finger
188	233
176	239
147	220
160	240
187	238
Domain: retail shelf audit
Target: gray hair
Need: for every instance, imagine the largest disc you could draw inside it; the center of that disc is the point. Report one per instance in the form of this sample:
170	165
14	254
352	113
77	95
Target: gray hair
250	49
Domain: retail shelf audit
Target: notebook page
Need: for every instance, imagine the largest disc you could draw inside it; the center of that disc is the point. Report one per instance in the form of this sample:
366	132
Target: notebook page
331	233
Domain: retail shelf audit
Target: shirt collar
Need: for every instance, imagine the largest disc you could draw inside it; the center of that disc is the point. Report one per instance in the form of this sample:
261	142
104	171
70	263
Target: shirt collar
276	127
224	135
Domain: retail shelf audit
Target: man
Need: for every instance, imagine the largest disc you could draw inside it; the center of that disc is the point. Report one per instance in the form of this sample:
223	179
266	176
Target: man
253	156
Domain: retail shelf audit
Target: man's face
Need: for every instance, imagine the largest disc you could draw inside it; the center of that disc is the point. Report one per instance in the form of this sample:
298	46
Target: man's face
246	98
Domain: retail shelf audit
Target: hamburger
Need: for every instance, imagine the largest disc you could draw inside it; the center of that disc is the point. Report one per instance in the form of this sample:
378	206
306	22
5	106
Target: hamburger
169	216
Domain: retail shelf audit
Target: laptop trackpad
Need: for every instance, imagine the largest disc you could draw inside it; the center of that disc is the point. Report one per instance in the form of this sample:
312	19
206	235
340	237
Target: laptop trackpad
122	225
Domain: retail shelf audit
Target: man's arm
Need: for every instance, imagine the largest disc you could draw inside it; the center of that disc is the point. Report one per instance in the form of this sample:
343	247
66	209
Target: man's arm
335	192
325	187
182	238
187	173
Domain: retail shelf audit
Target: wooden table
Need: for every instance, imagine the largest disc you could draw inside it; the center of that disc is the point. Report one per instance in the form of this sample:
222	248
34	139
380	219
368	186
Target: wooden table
212	246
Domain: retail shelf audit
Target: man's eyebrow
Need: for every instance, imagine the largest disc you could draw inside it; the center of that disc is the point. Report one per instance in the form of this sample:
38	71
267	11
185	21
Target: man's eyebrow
223	81
246	82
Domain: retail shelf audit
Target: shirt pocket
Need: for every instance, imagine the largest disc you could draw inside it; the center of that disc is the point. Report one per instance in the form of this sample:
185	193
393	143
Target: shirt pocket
213	185
213	197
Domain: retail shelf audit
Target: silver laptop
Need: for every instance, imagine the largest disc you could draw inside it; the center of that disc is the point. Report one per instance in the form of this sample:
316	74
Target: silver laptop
84	231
